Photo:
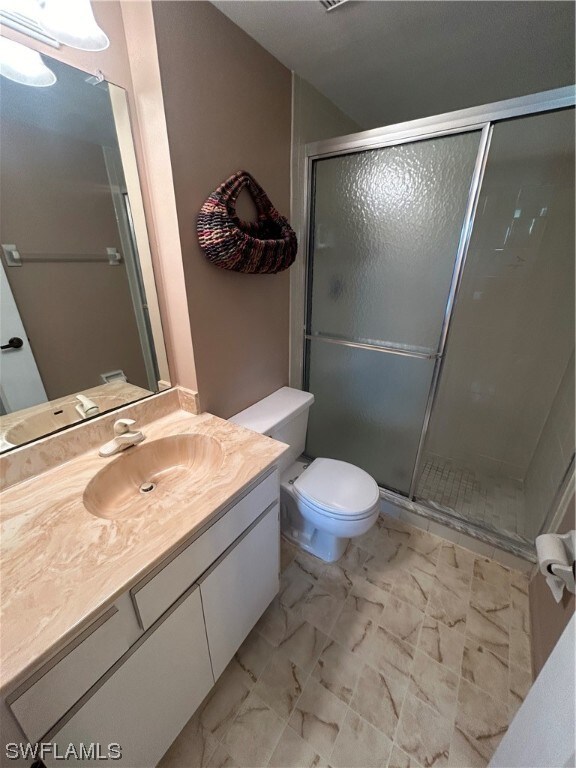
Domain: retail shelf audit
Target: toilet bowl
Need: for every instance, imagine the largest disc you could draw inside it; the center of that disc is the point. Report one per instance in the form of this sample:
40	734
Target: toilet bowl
325	502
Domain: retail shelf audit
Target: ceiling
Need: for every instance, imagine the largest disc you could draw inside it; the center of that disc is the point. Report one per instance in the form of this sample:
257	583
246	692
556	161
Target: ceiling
385	61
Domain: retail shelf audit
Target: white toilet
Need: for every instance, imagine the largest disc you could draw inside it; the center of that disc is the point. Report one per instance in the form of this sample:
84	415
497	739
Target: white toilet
324	503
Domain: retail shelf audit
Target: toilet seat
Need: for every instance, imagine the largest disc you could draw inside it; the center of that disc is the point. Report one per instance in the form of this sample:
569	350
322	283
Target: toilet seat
337	489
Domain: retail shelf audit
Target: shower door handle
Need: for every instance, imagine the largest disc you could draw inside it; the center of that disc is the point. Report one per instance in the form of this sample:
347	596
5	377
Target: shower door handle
14	343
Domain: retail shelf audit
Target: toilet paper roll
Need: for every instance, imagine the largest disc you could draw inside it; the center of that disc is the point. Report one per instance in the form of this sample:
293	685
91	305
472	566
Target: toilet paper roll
551	551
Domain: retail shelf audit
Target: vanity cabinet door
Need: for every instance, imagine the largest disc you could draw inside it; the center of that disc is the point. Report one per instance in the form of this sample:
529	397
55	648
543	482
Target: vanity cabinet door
151	694
240	586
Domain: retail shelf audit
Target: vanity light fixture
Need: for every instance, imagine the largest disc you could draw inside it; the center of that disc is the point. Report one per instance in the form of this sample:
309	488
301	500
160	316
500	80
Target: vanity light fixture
72	23
23	65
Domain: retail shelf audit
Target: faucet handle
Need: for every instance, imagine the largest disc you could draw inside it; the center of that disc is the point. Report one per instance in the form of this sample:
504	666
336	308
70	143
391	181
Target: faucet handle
123	425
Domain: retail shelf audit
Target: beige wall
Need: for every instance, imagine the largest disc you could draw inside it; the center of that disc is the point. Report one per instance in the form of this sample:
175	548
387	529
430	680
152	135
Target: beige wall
314	118
227	104
549	618
78	316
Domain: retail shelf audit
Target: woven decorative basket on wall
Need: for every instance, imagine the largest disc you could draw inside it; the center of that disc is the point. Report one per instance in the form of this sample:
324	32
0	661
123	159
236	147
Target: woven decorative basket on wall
266	245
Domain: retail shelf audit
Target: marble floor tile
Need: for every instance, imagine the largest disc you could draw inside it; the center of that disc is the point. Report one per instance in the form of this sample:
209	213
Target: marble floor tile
337	580
338	670
388	653
486	670
281	684
360	745
378	698
353	558
465	752
193	747
320	609
220	707
457	557
221	758
253	656
414	560
454	580
293	752
353	629
311	566
399	759
484	628
492	598
318	717
254	733
302	642
382	570
413	587
402	619
481	717
395	656
367	598
492	572
287	553
434	684
520	652
423	733
519	685
273	623
425	542
447	609
295	586
519	610
441	643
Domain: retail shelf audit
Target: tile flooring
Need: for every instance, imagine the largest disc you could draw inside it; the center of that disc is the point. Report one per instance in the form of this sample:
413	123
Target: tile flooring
410	651
480	496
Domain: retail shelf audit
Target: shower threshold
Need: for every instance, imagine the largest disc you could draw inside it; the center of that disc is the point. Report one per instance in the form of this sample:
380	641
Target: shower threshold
485	532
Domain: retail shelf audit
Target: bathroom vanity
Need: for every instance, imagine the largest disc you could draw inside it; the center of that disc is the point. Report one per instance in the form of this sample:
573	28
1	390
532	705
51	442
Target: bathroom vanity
120	642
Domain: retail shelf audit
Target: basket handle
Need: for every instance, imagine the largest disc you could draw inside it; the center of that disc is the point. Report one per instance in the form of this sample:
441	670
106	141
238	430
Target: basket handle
236	184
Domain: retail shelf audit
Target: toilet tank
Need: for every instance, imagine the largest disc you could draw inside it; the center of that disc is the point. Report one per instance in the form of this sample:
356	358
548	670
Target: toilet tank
283	415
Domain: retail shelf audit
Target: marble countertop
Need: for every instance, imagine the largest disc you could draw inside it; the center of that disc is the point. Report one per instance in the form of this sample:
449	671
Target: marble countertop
61	566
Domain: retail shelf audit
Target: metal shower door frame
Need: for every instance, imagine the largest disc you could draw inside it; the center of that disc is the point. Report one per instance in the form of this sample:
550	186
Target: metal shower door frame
481	119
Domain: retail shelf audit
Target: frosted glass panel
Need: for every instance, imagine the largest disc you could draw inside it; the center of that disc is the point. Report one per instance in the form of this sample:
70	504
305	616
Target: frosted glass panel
386	228
368	409
502	429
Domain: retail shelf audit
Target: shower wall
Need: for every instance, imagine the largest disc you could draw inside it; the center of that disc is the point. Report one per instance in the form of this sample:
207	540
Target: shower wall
552	455
512	331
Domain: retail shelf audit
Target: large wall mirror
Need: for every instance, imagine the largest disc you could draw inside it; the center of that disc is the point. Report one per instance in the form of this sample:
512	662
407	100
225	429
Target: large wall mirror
79	327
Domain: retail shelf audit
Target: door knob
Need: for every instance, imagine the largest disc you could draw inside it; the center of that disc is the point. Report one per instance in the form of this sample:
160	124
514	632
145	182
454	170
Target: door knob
14	343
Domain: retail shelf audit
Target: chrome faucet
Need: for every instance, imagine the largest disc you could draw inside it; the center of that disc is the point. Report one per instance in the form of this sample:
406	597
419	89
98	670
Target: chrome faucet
124	437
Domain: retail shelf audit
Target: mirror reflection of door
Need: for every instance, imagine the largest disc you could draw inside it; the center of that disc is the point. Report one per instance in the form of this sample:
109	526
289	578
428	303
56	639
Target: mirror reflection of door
69	258
21	385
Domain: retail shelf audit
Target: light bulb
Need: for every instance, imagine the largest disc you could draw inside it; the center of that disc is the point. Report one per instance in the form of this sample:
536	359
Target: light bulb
23	65
72	23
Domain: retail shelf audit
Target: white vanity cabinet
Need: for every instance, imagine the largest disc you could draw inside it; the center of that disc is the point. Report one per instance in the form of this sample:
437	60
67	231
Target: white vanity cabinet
145	702
239	587
180	626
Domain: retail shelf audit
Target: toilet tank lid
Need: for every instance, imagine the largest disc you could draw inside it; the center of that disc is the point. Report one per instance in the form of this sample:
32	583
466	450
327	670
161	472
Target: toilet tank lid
274	411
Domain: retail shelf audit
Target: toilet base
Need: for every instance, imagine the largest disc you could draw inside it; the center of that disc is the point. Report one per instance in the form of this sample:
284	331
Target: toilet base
320	544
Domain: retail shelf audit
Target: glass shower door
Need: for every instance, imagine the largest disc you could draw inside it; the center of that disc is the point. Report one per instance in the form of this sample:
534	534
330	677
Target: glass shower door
386	233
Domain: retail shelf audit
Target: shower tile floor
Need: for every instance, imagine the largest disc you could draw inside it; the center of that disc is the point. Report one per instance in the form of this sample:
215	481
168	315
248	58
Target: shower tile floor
410	651
492	499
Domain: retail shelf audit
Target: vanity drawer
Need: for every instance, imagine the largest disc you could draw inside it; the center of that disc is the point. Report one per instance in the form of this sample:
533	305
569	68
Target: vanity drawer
45	697
156	593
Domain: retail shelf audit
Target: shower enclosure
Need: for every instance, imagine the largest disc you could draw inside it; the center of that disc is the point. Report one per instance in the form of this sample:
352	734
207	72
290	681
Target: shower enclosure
439	330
